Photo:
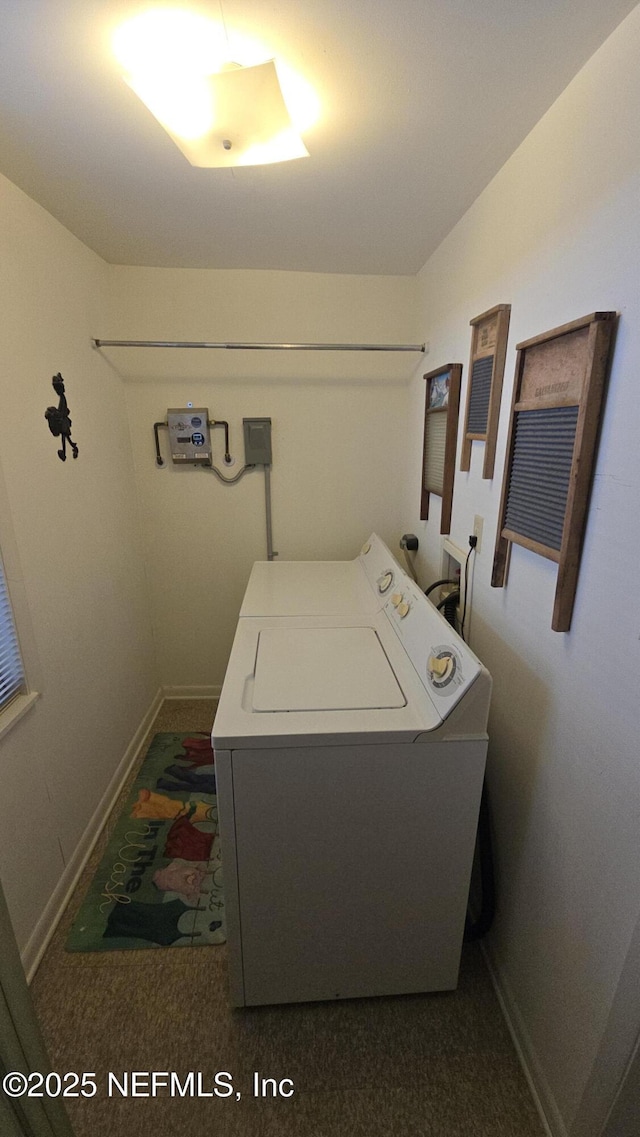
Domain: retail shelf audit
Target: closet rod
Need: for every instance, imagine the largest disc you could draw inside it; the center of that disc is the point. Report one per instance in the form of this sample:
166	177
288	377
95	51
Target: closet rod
266	346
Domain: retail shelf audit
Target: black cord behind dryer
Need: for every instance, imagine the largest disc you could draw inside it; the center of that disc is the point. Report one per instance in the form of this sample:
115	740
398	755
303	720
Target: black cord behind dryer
475	927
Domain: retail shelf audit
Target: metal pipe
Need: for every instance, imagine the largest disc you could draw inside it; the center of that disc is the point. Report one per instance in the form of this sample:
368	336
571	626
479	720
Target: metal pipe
221	422
410	565
265	346
228	481
156	427
267	501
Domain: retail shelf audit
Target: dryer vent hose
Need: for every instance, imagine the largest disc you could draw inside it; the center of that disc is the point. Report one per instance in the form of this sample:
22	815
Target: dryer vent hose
448	606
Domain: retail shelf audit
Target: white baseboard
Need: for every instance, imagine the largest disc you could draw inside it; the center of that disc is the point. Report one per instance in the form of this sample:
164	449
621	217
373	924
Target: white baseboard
541	1092
40	937
191	692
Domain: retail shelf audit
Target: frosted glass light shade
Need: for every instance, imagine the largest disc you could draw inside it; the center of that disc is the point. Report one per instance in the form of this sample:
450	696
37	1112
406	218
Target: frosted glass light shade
245	121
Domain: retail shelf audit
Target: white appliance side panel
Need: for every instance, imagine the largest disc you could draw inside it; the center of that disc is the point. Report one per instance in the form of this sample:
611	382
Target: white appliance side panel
224	791
353	867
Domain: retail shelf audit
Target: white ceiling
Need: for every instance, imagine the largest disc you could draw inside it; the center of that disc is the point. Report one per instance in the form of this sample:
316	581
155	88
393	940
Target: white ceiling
423	101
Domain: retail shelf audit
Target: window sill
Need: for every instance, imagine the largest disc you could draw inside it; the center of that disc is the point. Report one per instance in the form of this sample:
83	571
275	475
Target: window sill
15	711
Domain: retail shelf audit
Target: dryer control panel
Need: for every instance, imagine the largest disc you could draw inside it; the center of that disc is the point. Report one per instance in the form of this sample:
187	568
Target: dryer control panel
380	567
446	666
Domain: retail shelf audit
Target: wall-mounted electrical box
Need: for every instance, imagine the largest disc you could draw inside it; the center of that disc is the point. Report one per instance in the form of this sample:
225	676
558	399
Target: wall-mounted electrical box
189	436
257	441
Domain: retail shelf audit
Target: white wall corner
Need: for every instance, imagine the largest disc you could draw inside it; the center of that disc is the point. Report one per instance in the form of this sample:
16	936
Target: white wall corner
541	1092
42	933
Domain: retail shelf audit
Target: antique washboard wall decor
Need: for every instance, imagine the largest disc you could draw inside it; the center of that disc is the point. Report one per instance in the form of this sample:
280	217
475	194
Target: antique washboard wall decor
555	412
442	401
486	369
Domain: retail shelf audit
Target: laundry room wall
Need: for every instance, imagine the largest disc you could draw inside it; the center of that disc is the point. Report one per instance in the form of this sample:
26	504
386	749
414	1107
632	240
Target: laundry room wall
70	539
339	430
557	236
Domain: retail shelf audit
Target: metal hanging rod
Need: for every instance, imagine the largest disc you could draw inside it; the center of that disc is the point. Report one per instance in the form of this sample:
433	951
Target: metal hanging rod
265	346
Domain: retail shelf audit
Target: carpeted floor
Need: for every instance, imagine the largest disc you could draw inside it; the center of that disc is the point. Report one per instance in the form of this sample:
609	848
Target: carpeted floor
416	1066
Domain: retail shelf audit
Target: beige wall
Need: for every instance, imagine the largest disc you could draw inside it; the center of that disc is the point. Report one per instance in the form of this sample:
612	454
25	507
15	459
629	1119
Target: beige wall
74	557
339	429
260	306
557	235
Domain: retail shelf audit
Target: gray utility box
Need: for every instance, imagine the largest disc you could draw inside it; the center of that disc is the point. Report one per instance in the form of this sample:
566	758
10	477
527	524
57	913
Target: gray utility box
257	441
189	436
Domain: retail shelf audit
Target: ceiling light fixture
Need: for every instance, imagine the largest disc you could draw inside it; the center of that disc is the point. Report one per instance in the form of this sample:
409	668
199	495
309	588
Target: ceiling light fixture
218	112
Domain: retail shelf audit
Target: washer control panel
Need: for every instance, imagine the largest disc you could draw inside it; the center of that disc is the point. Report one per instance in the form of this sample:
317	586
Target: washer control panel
444	667
401	604
445	664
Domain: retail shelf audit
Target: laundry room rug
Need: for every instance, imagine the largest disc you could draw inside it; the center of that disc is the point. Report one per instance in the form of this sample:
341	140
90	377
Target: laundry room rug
159	883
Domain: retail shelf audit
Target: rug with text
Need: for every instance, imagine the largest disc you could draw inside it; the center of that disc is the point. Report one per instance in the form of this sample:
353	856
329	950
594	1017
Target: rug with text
160	882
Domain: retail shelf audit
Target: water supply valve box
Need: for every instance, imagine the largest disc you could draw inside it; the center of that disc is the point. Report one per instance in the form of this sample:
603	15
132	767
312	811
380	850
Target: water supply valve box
189	436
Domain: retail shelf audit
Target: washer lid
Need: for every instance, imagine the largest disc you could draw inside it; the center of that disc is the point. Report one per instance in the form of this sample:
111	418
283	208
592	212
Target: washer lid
323	669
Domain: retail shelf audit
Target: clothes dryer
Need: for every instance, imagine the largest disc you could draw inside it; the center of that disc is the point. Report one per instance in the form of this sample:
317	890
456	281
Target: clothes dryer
324	588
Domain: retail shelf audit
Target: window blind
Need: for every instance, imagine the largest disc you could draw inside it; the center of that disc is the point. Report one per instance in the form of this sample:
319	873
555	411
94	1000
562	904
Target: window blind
11	671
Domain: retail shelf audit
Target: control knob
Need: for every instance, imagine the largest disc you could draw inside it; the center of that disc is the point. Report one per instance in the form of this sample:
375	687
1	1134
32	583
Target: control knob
385	581
440	667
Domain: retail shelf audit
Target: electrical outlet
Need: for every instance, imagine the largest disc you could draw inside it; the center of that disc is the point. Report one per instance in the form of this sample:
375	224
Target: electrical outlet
478	522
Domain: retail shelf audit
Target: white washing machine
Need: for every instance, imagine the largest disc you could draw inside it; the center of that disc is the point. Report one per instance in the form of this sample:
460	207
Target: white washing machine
350	756
324	588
